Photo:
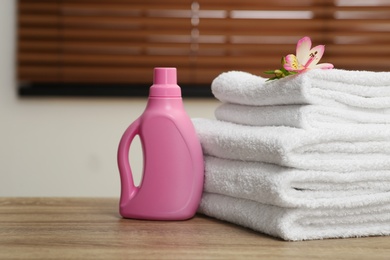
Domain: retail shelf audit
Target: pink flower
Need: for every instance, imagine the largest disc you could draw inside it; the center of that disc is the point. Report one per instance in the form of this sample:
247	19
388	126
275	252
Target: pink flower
306	58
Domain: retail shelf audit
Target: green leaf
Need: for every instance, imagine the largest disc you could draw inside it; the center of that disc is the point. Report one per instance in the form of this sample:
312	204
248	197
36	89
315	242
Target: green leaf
286	72
273	78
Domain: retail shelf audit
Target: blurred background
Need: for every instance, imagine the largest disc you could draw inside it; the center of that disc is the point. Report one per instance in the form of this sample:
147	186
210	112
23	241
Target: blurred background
75	74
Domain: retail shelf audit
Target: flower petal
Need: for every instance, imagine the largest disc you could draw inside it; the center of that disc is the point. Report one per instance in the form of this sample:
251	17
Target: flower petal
324	66
303	50
315	55
292	63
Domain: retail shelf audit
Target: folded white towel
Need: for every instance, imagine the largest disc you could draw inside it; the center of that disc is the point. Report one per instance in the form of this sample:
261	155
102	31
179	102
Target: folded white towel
362	89
298	224
300	116
331	150
288	187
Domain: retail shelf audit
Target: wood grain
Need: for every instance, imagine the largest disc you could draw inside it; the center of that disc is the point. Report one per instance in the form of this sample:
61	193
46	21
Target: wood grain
91	228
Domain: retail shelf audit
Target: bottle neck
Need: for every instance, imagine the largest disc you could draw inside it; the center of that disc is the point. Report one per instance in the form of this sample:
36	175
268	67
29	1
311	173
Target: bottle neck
165	90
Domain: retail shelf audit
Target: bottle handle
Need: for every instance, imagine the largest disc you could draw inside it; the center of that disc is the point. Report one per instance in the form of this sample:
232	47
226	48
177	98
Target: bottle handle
128	189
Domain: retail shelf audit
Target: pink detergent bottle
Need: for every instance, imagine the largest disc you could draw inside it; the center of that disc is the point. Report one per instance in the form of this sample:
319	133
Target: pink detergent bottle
173	173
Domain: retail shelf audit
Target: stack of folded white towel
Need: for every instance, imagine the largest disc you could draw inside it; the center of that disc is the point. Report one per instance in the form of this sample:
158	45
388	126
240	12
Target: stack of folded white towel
303	157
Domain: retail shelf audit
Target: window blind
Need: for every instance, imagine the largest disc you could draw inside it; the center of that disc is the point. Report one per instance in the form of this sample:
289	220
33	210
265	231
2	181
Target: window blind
121	41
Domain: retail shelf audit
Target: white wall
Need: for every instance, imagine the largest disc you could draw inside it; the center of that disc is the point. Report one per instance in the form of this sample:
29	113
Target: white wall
63	146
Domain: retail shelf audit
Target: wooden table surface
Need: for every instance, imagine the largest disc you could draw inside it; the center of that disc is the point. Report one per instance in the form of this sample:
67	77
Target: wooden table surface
64	228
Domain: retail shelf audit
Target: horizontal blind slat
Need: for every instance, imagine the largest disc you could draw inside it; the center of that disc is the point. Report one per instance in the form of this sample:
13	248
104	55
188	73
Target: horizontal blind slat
38	7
